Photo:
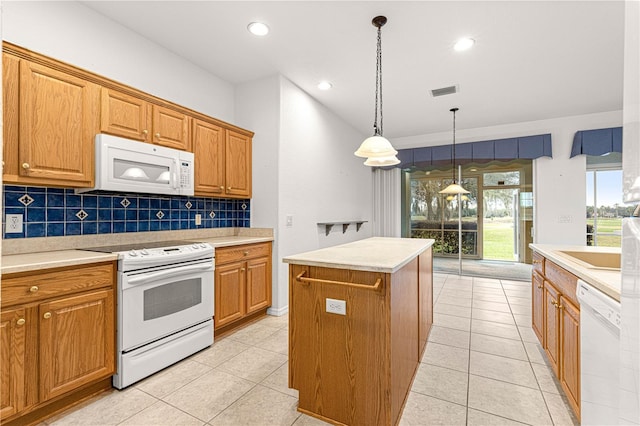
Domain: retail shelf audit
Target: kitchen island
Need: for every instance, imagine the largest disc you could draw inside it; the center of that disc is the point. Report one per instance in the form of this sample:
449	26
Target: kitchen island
359	319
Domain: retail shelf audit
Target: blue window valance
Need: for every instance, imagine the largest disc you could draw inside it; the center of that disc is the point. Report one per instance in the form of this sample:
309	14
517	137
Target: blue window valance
526	147
597	142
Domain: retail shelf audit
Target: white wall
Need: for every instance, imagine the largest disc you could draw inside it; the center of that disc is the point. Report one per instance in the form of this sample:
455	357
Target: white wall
75	34
304	167
559	182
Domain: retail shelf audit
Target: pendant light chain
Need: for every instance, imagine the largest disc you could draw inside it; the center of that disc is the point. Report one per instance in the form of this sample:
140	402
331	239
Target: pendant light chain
453	166
377	127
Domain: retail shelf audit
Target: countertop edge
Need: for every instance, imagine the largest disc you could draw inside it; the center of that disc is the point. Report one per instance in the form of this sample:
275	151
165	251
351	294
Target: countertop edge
585	274
304	259
28	262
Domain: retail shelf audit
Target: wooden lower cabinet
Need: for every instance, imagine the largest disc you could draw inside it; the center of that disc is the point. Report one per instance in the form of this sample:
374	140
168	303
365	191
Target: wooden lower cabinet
242	283
12	361
556	322
537	313
570	352
552	326
58	339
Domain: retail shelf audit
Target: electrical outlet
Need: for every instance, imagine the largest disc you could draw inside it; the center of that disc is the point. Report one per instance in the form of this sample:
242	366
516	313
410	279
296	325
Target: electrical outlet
335	306
14	223
289	220
198	219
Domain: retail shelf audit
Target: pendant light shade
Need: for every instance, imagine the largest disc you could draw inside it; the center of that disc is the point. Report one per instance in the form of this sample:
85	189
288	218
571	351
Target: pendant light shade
377	149
391	160
454	188
376	146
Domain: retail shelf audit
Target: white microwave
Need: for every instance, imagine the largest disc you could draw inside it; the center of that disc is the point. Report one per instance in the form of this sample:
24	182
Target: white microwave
125	165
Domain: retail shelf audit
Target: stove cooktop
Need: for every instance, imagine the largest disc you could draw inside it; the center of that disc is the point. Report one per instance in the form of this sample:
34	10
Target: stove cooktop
139	246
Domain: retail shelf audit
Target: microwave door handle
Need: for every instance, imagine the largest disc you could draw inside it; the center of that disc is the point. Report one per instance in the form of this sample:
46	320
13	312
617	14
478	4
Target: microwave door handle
168	273
176	184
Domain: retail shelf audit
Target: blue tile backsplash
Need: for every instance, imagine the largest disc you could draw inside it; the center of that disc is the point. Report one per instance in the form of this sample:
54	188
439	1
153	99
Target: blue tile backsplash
56	212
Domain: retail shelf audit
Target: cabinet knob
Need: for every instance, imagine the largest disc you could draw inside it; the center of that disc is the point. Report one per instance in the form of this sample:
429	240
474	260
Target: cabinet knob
222	187
145	132
158	135
539	286
228	188
241	269
47	315
21	321
536	262
554	303
34	289
246	253
25	166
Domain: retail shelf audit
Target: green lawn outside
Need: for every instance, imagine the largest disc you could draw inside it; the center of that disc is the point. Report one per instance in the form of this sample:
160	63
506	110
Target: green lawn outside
610	226
498	240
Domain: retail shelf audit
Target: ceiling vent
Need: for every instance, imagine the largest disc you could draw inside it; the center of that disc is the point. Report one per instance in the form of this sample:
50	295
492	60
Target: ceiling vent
444	91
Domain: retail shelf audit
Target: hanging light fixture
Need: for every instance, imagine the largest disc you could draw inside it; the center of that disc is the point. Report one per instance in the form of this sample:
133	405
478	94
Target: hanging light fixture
454	188
377	149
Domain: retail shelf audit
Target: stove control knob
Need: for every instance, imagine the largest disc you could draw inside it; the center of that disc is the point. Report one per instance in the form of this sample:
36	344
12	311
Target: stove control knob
133	253
195	246
203	245
144	252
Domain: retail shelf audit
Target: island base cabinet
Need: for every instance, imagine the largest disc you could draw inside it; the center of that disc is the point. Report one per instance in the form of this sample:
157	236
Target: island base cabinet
354	368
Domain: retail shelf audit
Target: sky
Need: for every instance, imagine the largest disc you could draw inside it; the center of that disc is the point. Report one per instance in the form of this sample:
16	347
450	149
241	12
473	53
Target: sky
609	187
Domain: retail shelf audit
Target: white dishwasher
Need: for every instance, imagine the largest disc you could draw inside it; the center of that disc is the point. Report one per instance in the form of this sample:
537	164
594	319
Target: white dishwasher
599	356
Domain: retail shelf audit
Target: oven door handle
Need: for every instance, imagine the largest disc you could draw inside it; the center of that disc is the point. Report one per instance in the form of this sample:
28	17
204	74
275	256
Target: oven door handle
168	273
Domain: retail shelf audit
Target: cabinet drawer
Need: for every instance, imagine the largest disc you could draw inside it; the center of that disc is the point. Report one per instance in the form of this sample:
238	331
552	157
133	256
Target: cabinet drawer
564	280
538	263
25	288
236	253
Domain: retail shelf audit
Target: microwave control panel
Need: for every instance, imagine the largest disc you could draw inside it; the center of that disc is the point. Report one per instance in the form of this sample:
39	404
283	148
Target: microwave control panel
185	174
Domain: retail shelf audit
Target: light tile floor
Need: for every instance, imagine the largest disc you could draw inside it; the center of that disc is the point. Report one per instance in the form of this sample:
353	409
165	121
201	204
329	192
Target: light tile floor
483	366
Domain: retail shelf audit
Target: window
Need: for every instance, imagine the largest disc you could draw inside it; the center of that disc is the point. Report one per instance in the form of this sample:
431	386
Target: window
605	209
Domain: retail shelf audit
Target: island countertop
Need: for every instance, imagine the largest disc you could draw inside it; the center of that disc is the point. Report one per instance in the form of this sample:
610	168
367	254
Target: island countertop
376	254
605	280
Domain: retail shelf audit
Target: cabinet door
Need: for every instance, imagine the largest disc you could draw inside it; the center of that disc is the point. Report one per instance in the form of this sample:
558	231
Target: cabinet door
208	149
570	352
170	128
58	122
10	108
12	362
537	306
124	115
258	284
238	165
425	297
552	326
77	342
229	293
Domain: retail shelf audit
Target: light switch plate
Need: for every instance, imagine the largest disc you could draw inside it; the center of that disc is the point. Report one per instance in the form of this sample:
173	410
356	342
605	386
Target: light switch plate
336	306
198	219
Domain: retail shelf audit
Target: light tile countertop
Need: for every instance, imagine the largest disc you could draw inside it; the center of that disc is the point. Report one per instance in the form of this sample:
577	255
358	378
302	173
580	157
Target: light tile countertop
57	253
605	280
377	254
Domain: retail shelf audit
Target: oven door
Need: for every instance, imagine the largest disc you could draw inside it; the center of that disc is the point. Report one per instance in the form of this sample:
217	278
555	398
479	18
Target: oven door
162	301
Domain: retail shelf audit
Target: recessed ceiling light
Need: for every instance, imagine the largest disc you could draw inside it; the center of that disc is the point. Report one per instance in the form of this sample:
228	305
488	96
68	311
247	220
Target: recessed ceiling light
464	44
324	85
258	28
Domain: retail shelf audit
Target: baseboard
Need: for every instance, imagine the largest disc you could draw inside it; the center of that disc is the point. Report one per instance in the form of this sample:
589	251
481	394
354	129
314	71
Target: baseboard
278	312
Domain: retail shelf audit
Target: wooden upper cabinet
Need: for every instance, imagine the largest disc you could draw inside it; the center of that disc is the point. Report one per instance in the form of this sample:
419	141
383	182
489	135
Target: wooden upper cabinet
50	122
12	362
170	128
124	115
208	143
238	164
10	115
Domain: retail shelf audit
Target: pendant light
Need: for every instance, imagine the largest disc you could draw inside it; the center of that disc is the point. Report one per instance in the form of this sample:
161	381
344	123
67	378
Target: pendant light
377	149
454	188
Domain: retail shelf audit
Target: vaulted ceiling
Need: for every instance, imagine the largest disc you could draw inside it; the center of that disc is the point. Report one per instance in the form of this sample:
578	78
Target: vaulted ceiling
532	60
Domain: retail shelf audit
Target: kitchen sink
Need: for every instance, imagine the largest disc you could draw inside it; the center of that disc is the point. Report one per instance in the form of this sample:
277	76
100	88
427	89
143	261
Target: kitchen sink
594	260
